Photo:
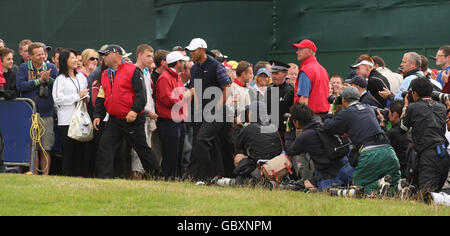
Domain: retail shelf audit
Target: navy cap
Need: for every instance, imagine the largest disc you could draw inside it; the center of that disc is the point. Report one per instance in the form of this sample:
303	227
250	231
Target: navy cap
360	81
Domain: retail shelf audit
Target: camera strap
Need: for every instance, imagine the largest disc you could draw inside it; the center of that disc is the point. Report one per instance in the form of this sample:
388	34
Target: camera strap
78	88
32	72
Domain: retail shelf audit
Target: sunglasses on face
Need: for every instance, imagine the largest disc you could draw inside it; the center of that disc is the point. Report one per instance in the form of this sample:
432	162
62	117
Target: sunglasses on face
93	59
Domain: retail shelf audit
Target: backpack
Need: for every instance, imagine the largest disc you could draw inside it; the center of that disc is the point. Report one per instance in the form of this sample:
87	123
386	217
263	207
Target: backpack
335	146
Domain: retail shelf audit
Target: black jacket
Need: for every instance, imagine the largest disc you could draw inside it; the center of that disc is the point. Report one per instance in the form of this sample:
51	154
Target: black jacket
370	100
400	141
10	86
284	102
376	83
256	144
427	119
309	142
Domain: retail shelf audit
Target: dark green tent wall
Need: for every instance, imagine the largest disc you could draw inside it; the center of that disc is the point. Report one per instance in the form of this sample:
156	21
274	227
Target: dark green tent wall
345	29
244	30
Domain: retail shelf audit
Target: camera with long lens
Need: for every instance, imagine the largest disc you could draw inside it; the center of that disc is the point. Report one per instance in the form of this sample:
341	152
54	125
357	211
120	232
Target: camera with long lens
440	97
409	93
335	99
291	122
351	192
384	112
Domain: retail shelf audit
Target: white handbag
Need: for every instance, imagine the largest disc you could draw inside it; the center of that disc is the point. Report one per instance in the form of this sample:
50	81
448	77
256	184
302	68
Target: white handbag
81	128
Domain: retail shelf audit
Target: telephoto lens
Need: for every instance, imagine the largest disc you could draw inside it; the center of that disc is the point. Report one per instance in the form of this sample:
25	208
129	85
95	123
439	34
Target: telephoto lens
352	192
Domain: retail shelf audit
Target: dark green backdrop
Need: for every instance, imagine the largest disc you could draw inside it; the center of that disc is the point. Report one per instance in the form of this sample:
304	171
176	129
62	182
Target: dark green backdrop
245	30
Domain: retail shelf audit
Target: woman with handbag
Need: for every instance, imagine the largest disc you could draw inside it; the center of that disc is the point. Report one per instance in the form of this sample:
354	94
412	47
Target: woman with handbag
69	89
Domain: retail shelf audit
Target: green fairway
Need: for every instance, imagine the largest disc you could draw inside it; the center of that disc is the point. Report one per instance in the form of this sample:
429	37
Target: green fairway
38	195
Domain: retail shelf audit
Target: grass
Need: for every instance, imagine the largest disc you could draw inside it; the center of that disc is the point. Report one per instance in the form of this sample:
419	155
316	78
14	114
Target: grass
22	195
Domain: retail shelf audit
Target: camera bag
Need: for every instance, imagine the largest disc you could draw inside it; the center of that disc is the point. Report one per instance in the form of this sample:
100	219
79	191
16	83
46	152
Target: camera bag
277	168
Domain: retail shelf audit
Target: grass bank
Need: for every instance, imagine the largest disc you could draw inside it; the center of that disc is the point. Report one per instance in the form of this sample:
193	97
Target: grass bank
38	195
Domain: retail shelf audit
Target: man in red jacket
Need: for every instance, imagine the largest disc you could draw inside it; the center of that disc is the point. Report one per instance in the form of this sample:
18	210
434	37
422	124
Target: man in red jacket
2	81
171	104
122	95
312	86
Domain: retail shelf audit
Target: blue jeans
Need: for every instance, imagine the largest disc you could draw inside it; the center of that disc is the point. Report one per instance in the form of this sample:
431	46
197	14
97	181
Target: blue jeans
344	177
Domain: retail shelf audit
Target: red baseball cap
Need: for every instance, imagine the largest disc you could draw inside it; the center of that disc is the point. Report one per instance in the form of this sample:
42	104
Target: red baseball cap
306	44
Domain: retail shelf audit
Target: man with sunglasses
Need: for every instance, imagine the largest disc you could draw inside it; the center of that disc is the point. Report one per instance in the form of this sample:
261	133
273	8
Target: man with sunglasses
122	95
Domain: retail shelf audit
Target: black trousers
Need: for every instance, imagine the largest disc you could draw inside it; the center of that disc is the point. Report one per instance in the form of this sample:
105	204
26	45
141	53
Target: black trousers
110	142
433	170
72	154
172	136
212	154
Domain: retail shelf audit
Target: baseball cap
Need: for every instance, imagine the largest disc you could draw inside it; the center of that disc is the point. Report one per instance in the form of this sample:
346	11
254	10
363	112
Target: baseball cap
362	62
263	71
112	48
306	44
125	54
47	48
176	56
196	44
350	94
360	81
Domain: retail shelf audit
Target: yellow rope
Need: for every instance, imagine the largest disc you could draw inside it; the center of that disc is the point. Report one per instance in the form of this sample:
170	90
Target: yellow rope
37	131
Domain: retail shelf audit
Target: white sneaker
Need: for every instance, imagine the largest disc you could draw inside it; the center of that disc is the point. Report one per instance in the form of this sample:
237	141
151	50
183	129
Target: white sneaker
440	199
385	186
200	183
404	190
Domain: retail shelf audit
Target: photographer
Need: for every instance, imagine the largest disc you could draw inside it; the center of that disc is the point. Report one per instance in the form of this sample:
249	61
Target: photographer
427	119
400	140
328	173
373	157
252	143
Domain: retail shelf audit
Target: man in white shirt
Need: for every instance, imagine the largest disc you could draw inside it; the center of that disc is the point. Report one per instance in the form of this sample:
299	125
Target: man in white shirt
145	55
240	93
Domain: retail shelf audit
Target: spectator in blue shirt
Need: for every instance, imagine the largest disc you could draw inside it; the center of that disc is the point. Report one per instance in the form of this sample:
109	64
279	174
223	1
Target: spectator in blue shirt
35	81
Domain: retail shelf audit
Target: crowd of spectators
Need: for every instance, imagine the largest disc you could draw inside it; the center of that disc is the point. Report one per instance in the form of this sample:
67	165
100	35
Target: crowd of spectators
192	114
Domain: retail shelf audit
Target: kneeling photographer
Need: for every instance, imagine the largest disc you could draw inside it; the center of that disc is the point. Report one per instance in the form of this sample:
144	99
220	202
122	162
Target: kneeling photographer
259	140
328	172
400	140
427	118
373	157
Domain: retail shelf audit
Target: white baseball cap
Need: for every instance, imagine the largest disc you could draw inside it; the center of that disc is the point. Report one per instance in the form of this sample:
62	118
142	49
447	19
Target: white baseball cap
176	56
196	44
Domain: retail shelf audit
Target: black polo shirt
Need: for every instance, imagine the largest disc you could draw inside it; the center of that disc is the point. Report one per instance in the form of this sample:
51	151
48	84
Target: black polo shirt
211	74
